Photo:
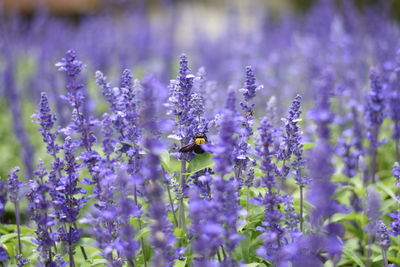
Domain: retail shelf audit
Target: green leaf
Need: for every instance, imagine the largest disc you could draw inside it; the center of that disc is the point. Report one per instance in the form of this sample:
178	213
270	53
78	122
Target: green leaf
179	233
350	254
7	237
386	189
143	233
170	164
95	262
86	242
254	264
28	240
338	217
307	146
200	162
180	263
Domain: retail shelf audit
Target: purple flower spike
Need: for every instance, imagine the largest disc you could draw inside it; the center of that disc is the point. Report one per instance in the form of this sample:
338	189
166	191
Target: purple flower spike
3	197
226	145
206	231
250	87
162	237
14	185
395	215
46	120
374	116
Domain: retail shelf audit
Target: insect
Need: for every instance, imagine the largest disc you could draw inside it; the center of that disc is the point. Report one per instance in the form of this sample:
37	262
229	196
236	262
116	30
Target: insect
199	139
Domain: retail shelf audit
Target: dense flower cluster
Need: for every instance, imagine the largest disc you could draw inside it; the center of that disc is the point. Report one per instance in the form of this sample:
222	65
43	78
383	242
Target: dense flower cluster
115	187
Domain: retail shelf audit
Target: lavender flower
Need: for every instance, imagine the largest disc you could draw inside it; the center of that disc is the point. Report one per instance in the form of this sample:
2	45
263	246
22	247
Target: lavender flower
205	228
294	146
183	104
67	199
373	206
38	207
108	141
292	143
3	254
72	68
273	232
376	226
250	87
226	142
47	120
383	240
249	92
14	186
382	235
3	197
106	90
226	201
75	97
394	103
162	238
110	218
350	157
374	116
322	190
395	215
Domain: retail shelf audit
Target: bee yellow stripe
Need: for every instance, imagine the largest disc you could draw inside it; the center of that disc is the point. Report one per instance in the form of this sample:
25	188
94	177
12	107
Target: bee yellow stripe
200	141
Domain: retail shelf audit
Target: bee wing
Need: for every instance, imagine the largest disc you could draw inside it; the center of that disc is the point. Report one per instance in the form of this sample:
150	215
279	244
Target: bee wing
187	148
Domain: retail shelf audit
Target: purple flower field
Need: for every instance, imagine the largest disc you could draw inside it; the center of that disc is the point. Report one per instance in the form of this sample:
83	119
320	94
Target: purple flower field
151	136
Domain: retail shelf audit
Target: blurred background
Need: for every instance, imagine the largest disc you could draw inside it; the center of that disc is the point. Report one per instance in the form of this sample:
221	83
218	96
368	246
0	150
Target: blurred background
291	44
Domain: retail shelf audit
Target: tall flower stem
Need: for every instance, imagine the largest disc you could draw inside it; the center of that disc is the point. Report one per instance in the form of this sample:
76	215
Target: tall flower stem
18	221
172	206
373	165
182	223
384	256
82	248
301	208
140	228
70	250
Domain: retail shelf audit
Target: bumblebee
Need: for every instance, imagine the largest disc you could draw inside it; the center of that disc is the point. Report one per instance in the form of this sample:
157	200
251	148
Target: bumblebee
199	139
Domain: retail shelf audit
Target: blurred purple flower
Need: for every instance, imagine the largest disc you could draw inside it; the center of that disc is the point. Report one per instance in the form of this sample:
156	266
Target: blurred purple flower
382	235
162	237
39	206
46	120
395	215
14	185
375	107
226	200
3	197
249	89
205	229
3	254
224	150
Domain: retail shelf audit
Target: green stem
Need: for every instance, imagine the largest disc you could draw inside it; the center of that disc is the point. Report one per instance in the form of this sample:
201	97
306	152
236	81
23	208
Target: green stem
247	199
70	251
219	256
181	203
18	220
82	248
384	256
131	263
373	165
140	228
301	208
368	256
172	206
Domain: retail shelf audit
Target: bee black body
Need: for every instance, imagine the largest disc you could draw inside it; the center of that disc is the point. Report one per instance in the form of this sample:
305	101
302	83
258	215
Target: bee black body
195	146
